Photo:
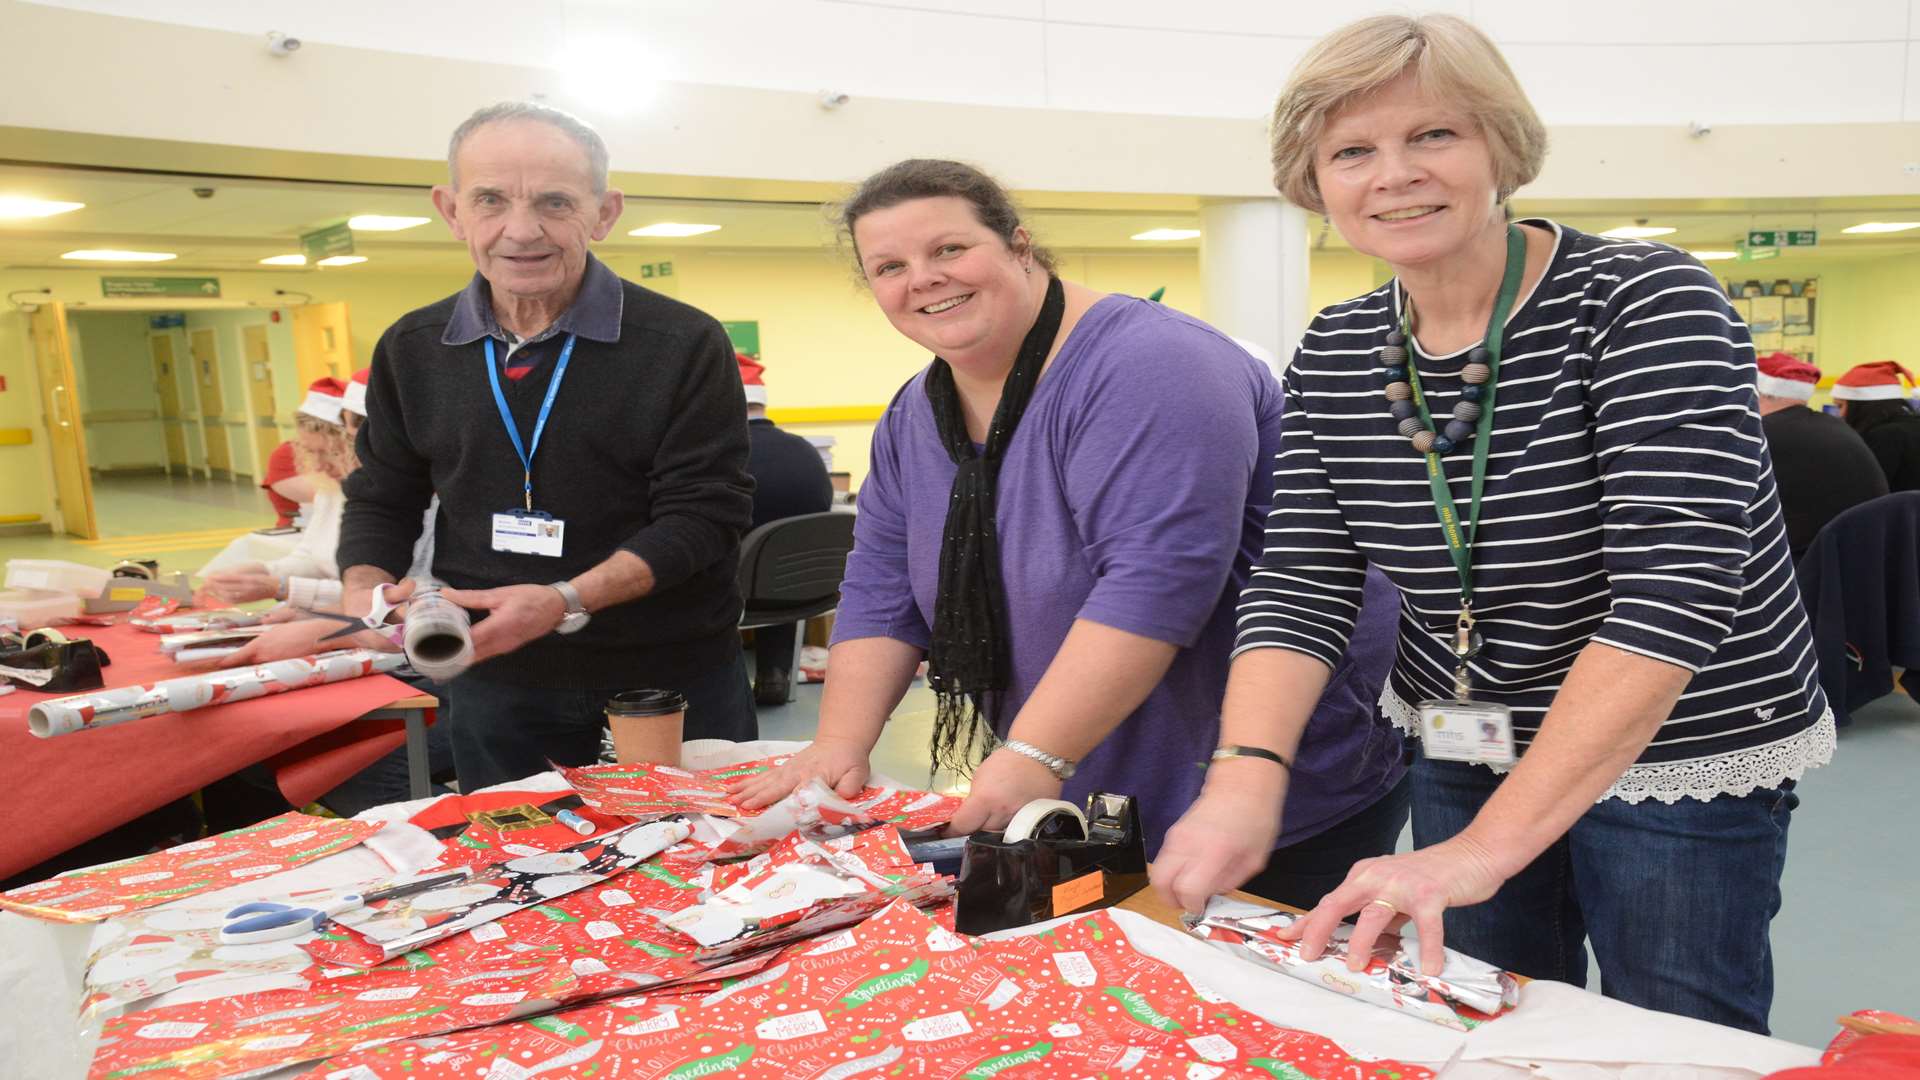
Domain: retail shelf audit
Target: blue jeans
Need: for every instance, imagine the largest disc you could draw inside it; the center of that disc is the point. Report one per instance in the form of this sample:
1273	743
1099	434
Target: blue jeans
1676	899
507	732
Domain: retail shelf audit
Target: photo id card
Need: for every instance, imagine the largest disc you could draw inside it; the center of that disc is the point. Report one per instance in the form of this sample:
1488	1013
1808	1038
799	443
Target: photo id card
528	534
1467	731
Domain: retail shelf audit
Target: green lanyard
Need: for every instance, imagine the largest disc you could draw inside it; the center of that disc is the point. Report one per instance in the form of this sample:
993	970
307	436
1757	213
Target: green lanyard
1460	535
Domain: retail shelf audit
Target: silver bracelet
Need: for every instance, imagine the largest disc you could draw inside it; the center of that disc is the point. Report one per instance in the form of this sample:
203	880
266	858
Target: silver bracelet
1060	767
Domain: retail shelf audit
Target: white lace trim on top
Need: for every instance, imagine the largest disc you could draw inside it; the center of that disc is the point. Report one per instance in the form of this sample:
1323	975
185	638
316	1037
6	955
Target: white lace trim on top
1737	773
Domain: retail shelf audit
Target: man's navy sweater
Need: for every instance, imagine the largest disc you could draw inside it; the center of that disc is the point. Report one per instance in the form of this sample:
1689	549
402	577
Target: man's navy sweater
645	450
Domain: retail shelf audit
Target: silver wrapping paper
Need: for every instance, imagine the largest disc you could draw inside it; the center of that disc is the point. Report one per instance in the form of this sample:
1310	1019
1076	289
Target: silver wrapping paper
104	708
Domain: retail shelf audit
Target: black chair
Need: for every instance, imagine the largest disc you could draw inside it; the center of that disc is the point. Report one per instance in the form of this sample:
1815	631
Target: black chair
1860	582
790	571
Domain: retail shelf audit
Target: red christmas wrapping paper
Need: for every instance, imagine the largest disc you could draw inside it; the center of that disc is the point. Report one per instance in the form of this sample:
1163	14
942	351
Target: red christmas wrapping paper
899	995
802	888
596	942
96	892
141	954
643	791
472	841
370	935
606	939
1466	993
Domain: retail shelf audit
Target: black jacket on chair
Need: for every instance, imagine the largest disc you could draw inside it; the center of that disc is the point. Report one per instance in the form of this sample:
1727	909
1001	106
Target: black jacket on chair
1860	582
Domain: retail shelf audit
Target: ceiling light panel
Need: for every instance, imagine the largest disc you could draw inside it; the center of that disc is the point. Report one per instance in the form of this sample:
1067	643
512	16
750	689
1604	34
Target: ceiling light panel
1869	228
111	255
384	222
341	260
22	207
284	260
673	229
1639	232
1167	234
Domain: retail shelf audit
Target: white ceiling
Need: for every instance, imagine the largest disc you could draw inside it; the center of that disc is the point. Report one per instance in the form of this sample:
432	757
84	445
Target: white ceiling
247	220
1625	62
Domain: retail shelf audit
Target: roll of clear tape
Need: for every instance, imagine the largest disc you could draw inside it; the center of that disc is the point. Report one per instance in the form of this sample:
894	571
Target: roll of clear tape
438	638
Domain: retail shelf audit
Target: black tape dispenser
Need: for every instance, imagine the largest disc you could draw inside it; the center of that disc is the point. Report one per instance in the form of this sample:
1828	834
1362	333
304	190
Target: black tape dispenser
1051	860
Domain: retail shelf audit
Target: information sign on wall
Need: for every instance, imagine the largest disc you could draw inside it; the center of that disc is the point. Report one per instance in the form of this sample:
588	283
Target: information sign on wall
745	336
322	243
1774	238
205	287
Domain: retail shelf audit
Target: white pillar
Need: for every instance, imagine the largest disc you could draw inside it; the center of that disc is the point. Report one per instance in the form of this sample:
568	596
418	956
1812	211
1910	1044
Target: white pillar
1253	265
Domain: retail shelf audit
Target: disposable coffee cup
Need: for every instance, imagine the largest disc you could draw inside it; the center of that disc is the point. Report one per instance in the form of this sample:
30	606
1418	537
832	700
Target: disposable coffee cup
647	726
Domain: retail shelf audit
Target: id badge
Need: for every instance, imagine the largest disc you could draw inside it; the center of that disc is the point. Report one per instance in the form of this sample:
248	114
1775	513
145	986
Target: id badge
528	534
1467	731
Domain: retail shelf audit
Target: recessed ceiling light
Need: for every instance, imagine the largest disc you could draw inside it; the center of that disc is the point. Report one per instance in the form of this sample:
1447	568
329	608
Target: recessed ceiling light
1639	232
284	260
673	228
341	260
383	222
15	207
108	255
1167	234
1881	227
1714	256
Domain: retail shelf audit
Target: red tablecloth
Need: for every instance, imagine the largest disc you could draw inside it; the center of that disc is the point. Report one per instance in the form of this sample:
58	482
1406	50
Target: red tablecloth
58	792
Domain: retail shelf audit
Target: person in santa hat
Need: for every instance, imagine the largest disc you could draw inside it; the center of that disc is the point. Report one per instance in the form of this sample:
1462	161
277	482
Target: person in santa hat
325	459
291	467
1873	399
1820	464
789	479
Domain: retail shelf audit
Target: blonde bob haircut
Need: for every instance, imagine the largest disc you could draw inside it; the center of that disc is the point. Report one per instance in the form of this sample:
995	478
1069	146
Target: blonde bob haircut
1451	60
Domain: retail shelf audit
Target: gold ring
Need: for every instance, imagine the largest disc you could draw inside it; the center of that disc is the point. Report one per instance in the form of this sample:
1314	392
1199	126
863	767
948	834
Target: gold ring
1388	904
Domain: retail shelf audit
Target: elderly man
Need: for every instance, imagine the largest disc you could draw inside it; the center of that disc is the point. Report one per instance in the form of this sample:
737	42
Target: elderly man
587	439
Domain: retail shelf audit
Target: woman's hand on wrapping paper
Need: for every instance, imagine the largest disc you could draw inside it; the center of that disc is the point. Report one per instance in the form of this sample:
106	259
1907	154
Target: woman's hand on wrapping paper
1223	839
1390	891
241	584
841	764
1003	783
287	641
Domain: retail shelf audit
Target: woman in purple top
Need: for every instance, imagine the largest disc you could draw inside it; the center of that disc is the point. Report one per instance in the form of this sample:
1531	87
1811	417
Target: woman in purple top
1059	515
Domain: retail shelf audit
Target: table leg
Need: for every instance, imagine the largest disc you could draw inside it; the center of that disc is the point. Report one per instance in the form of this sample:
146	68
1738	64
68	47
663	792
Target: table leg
420	784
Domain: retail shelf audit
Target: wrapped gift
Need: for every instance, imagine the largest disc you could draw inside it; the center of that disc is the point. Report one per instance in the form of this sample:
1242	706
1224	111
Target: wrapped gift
1466	993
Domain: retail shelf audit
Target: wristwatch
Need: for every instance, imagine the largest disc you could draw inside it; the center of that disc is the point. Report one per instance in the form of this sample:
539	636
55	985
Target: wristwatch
1060	767
576	617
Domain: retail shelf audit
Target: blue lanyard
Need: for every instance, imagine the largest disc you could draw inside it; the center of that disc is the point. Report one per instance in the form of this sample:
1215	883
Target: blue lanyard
513	430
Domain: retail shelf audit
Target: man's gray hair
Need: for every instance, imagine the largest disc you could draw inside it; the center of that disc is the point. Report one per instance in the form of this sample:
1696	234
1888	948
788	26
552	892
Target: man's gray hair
574	127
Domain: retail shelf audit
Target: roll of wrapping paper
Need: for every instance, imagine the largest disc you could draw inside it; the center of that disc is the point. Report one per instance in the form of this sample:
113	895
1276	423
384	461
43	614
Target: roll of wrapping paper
104	708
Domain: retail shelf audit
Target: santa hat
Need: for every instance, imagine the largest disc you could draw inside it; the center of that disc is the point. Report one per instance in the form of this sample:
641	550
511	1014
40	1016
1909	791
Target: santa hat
1786	376
355	401
324	399
1878	381
750	370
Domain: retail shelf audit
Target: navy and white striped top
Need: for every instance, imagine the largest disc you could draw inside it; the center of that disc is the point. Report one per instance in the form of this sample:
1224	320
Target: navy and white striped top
1629	500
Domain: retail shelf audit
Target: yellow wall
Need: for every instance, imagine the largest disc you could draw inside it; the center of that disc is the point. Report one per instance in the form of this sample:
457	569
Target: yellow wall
1868	309
824	342
1334	276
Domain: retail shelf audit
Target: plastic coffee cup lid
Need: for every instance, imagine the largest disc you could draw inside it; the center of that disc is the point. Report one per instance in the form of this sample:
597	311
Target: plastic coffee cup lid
646	703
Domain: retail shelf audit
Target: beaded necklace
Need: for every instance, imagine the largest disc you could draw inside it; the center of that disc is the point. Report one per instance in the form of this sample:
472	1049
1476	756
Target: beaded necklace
1472	421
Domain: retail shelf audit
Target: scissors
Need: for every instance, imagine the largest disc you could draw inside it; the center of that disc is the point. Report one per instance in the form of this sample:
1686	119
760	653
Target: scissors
265	920
376	618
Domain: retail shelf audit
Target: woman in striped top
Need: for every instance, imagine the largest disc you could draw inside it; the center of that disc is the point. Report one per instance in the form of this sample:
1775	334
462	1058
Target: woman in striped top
1633	614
